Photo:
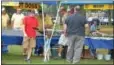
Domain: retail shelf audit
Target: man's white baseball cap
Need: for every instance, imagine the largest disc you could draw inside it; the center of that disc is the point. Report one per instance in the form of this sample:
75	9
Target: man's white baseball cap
3	9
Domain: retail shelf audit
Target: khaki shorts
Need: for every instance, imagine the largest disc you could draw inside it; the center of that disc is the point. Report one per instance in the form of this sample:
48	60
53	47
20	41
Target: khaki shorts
29	42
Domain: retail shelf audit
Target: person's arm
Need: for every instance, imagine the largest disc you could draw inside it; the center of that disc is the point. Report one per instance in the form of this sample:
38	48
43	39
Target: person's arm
8	19
12	20
22	19
23	27
86	25
65	27
37	23
85	21
87	28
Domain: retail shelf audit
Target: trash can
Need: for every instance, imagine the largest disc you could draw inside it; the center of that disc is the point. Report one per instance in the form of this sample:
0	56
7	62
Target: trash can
54	51
99	56
107	57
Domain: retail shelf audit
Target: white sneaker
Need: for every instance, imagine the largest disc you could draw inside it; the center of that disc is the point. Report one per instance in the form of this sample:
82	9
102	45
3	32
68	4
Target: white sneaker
59	55
69	61
74	62
45	60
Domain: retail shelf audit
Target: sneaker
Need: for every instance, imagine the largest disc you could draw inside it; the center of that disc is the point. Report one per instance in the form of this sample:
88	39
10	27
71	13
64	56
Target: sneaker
28	60
45	60
59	55
69	61
74	62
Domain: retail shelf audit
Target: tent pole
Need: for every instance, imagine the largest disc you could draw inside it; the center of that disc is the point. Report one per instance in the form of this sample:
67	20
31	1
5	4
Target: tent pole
43	21
55	22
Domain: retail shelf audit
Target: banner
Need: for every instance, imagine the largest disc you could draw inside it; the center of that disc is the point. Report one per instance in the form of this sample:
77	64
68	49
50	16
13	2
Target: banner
10	3
99	6
28	6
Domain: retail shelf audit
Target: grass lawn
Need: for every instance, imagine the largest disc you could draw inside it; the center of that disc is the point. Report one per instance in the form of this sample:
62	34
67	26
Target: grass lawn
14	56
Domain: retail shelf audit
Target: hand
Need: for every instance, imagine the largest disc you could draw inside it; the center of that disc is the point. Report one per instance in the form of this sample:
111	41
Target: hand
25	35
65	34
35	28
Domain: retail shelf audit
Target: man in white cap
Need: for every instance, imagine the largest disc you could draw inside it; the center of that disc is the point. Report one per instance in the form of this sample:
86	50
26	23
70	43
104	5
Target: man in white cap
5	19
17	19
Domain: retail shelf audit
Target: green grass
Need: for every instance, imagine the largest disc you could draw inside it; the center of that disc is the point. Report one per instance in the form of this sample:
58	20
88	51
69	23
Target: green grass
14	56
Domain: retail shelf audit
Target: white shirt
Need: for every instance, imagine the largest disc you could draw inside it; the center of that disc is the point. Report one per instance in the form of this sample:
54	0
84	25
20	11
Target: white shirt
5	19
17	20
